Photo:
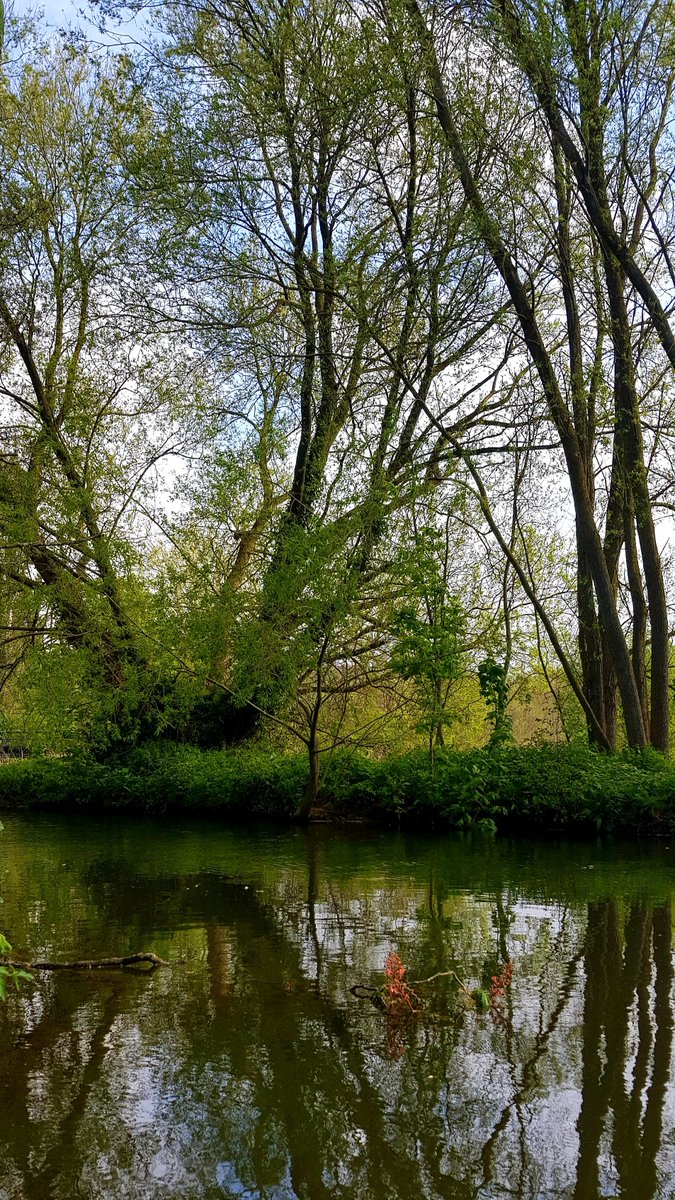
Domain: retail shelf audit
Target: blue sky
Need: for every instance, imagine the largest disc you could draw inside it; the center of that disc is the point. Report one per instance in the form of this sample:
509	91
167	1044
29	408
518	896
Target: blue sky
72	13
55	13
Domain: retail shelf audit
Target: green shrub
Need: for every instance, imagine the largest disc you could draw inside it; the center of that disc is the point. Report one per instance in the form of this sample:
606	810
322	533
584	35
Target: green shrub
502	786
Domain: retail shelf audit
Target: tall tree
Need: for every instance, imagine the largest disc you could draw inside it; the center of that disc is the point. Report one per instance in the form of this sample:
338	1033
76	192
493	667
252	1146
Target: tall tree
611	73
81	386
570	386
331	264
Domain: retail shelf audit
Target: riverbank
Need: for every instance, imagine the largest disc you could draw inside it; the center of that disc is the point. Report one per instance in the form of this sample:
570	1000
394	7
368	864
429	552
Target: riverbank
543	787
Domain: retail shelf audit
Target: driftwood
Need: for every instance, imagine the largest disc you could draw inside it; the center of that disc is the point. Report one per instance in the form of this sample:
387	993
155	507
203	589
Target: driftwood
89	964
364	991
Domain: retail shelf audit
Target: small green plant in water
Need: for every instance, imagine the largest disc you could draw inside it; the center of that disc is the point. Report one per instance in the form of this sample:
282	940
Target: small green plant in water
8	972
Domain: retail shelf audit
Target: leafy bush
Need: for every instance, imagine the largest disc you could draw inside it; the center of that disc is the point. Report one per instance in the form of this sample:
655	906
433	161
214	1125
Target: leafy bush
503	786
545	786
160	778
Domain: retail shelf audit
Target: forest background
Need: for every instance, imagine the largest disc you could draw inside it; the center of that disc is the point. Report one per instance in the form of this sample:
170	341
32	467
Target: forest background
336	381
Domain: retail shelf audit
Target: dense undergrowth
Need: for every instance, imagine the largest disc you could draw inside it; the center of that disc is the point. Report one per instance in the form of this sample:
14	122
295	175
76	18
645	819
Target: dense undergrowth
544	786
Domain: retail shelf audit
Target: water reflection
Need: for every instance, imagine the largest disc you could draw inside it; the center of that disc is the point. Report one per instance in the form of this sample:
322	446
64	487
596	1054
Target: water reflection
251	1071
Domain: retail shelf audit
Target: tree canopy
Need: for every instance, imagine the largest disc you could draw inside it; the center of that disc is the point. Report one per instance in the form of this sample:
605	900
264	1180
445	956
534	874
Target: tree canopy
336	375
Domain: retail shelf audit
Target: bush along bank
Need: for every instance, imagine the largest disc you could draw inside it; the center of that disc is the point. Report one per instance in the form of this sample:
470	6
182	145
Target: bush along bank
544	787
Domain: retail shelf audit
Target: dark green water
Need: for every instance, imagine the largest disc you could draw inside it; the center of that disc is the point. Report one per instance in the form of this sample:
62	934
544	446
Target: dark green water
251	1071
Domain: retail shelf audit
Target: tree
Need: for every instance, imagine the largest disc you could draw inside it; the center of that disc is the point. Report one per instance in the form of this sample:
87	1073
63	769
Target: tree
612	72
428	630
573	419
86	393
262	250
332	276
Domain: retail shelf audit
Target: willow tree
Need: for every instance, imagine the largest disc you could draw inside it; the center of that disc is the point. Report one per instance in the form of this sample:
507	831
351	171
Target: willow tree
320	248
81	386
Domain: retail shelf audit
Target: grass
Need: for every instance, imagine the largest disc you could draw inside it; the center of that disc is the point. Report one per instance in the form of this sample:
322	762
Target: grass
543	786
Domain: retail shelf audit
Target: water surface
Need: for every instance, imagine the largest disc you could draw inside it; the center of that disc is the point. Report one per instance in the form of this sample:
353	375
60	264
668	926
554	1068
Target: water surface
249	1070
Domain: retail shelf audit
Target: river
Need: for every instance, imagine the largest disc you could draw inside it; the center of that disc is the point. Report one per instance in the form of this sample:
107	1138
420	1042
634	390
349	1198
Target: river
250	1070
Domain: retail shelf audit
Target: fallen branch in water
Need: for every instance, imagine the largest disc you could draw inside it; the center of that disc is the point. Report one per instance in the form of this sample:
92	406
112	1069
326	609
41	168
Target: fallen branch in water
364	991
398	993
90	964
440	975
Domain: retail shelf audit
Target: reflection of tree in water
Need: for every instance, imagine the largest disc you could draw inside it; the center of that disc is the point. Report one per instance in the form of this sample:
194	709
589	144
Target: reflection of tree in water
279	1086
625	1026
48	1080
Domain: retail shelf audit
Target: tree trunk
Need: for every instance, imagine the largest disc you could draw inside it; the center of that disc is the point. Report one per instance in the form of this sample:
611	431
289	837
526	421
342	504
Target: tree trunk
590	653
630	428
639	623
313	780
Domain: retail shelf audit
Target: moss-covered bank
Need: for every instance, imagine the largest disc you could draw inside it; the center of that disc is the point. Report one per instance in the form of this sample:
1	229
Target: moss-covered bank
545	786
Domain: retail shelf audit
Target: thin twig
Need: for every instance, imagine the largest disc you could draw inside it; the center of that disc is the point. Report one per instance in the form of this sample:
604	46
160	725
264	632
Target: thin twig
440	975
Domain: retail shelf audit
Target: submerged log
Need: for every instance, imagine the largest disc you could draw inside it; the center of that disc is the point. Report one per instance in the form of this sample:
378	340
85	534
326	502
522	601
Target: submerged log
91	964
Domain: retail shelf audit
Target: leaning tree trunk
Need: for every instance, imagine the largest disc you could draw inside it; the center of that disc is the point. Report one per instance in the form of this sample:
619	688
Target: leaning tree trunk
630	425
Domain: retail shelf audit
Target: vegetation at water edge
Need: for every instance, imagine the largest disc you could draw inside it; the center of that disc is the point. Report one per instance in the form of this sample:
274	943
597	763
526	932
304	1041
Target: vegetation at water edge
510	787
